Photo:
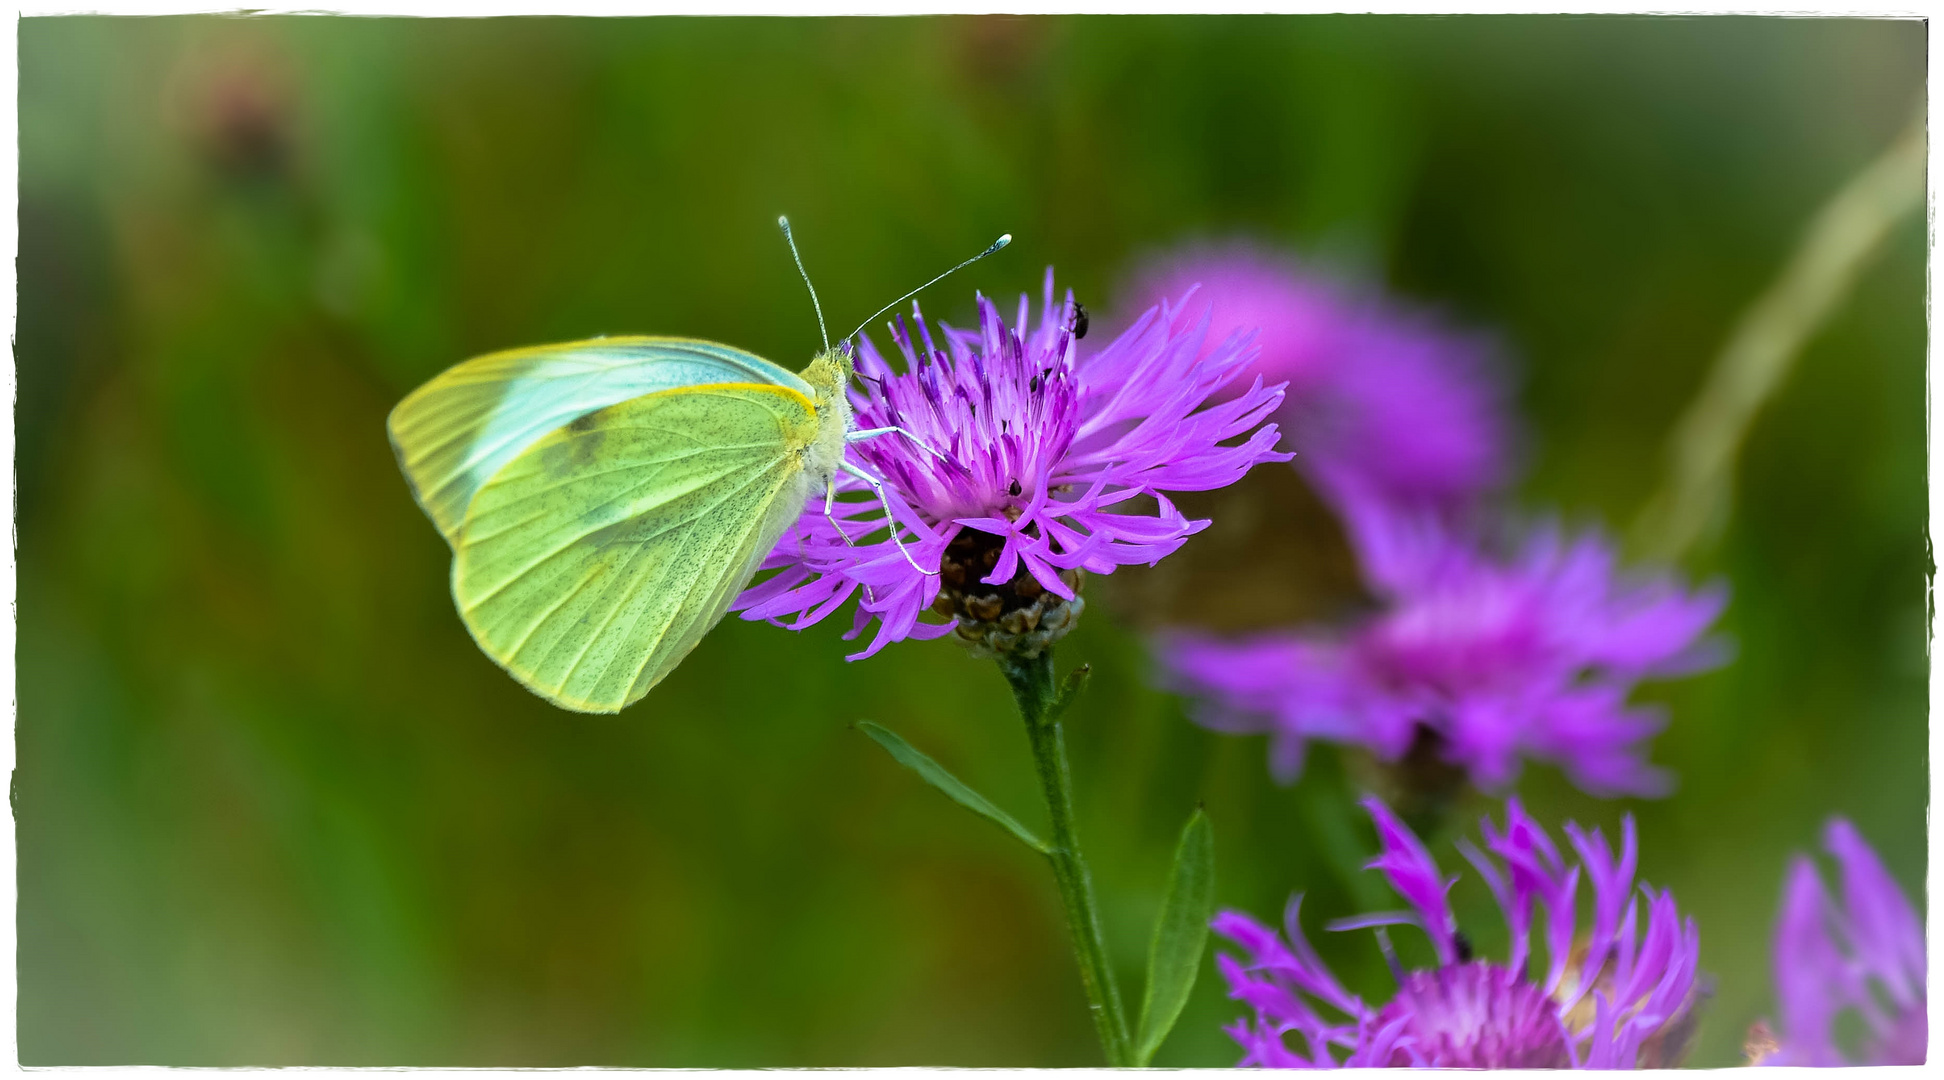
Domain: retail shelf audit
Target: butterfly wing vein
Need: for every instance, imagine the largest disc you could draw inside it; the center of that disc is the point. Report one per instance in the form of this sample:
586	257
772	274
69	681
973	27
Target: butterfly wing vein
593	562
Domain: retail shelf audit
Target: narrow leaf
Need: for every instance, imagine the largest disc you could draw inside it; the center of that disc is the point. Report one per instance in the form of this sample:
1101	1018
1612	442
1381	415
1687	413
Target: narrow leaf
954	788
1180	935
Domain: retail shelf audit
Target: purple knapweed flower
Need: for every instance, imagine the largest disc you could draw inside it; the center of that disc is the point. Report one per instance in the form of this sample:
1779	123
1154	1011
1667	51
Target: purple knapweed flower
1617	996
1037	464
1478	657
1381	399
1866	954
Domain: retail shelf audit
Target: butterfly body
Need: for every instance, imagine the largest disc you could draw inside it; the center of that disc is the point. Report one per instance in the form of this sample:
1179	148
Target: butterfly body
606	500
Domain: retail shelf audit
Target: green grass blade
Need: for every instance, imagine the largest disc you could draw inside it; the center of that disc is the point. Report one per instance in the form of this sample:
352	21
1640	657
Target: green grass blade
1180	935
954	788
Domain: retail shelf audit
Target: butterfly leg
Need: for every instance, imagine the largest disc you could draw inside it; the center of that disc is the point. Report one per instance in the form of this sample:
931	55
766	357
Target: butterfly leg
890	520
872	433
830	504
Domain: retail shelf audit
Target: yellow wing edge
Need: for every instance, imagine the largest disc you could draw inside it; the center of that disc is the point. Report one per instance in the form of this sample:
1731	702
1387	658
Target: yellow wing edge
459	373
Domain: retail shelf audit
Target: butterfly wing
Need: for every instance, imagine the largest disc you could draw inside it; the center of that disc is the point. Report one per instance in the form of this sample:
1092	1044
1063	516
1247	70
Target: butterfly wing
592	562
456	431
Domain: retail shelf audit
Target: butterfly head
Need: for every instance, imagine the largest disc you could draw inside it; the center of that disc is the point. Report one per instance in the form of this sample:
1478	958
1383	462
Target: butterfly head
829	377
829	374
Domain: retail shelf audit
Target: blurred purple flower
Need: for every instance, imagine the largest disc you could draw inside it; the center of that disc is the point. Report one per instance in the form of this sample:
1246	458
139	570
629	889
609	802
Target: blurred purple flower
1478	657
1038	462
1865	954
1380	399
1613	997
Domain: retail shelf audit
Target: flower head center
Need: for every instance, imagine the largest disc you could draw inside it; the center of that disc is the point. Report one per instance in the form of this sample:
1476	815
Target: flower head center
996	414
1458	639
1478	1015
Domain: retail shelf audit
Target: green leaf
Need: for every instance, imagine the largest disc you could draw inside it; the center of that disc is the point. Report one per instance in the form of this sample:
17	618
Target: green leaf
1180	935
952	786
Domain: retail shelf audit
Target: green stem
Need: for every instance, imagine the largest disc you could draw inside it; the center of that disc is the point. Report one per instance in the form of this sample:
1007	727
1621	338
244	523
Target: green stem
1838	244
1040	705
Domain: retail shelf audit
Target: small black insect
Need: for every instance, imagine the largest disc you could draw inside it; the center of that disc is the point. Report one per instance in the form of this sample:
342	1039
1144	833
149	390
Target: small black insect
1079	326
1462	946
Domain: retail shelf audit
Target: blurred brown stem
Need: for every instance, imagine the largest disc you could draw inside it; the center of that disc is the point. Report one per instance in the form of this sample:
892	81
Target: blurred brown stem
1838	243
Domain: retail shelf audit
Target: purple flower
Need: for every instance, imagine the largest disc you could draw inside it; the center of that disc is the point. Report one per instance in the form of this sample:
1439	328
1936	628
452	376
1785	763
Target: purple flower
1866	954
1380	399
1613	995
1484	658
1037	464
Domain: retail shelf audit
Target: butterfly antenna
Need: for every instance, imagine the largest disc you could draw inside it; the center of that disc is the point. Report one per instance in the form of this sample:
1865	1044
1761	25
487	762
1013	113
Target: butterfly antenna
996	245
814	302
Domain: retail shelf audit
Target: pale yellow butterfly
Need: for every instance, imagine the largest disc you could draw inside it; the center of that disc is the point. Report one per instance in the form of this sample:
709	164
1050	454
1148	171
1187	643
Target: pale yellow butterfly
606	500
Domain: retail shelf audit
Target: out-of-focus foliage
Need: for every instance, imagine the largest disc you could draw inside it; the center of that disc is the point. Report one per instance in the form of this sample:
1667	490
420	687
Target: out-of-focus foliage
274	806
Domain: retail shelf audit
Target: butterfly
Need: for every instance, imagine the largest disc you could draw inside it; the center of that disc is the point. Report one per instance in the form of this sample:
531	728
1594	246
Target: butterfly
605	500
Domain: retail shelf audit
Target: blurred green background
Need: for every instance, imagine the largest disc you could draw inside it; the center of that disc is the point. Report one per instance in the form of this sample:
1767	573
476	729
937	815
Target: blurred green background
272	805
